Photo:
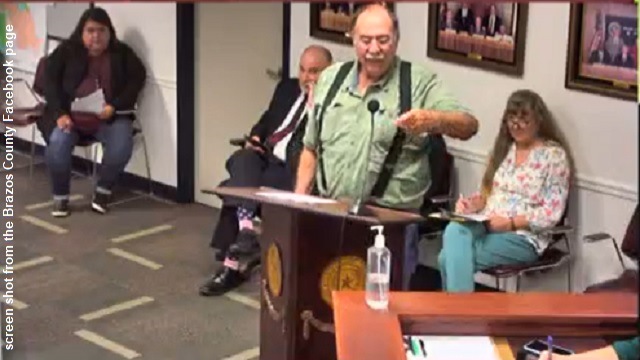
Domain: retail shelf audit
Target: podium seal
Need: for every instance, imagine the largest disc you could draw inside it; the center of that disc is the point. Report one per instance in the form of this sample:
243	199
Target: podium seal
274	270
344	273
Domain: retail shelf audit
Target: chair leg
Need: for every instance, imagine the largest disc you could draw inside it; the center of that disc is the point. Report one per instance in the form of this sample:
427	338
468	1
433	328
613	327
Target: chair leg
147	164
88	153
94	158
33	150
618	252
569	287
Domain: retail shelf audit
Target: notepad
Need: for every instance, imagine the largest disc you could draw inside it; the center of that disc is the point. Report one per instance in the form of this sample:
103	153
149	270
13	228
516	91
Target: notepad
458	347
460	217
298	198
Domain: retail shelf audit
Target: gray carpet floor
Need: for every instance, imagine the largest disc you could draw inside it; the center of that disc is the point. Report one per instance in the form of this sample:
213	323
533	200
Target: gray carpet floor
122	285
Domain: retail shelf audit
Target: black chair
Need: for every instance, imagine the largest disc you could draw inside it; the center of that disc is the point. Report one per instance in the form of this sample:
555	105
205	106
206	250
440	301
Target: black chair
552	257
439	196
628	280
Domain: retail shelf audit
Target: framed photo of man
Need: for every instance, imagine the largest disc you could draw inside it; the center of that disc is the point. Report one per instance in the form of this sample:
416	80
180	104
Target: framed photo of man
602	50
486	35
332	20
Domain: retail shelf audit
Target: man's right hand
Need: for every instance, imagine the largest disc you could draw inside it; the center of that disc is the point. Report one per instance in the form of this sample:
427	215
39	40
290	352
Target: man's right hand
248	145
64	123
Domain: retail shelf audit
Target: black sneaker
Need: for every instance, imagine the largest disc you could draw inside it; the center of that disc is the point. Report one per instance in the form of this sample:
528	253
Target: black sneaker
100	203
60	208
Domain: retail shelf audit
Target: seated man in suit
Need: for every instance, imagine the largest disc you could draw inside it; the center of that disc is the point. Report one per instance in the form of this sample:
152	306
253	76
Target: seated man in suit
492	22
280	130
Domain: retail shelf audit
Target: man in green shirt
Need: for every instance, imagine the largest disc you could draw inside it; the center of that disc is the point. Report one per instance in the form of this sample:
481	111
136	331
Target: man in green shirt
347	132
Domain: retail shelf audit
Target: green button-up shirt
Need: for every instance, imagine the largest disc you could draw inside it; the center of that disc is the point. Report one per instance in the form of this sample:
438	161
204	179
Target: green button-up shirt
346	135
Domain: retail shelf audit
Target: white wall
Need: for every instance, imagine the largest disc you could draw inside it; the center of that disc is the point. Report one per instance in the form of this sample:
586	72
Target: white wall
154	41
602	132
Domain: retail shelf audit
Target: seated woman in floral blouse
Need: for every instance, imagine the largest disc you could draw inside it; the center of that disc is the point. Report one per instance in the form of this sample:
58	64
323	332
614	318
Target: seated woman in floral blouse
524	190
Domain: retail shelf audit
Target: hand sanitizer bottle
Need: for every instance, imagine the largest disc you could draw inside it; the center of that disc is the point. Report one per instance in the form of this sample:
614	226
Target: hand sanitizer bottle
378	272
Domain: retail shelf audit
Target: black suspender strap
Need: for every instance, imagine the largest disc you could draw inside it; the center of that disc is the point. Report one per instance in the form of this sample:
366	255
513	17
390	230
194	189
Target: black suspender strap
331	94
396	146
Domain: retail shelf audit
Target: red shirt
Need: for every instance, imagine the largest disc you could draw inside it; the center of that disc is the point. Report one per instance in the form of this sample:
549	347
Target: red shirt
98	76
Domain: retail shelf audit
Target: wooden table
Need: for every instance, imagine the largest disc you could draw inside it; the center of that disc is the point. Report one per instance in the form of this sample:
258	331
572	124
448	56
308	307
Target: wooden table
579	321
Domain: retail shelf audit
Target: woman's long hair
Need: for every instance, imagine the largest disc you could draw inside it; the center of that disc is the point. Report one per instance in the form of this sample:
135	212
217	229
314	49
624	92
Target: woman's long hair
519	102
98	15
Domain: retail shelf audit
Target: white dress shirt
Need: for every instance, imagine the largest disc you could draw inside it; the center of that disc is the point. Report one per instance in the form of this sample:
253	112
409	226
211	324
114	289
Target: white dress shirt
280	150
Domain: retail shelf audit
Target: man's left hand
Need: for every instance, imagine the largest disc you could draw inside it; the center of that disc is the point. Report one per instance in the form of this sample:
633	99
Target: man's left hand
419	121
107	112
499	224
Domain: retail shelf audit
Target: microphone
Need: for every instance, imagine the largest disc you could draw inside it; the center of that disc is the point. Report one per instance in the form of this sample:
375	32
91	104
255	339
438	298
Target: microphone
358	207
373	106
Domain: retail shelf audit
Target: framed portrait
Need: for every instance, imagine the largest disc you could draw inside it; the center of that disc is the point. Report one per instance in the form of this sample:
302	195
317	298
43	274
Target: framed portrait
331	20
602	50
486	35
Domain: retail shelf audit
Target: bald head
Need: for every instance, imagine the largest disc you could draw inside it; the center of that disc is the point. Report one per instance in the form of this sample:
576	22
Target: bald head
376	11
313	60
318	51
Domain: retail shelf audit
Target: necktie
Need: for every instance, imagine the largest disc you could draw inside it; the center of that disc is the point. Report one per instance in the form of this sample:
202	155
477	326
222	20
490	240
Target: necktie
279	135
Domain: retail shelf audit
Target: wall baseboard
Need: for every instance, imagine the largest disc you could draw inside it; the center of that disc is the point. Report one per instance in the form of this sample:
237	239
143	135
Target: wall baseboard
128	180
600	186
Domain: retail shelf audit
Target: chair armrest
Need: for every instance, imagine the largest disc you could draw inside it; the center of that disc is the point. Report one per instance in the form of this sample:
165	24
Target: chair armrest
596	237
441	199
208	191
237	142
561	229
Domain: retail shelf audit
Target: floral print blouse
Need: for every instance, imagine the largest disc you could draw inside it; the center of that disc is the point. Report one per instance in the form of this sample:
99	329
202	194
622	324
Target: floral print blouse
538	189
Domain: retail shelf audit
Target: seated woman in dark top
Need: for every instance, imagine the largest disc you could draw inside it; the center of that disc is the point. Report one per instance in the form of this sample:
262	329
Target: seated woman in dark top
91	60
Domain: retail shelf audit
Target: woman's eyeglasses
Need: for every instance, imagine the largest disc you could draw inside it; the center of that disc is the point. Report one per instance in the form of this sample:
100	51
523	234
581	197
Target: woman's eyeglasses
520	120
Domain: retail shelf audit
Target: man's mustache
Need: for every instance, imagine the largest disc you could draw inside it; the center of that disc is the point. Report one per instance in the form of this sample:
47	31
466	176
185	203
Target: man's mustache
374	57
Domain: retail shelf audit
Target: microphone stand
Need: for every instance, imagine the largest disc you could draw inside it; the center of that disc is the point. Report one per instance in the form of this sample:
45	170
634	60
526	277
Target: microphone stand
359	207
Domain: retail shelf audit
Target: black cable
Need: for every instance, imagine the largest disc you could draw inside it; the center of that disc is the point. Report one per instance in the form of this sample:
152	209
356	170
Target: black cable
340	245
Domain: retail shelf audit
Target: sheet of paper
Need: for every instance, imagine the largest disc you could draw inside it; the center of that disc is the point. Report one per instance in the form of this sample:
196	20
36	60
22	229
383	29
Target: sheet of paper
307	199
458	347
93	103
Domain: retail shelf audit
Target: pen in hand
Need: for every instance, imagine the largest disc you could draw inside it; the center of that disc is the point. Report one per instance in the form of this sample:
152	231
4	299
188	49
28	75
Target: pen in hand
461	205
550	346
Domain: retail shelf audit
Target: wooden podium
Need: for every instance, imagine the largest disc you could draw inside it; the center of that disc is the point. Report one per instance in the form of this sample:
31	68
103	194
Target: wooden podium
309	250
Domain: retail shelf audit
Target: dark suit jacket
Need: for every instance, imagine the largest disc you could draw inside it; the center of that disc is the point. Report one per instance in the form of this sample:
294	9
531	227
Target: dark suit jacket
464	23
285	95
496	26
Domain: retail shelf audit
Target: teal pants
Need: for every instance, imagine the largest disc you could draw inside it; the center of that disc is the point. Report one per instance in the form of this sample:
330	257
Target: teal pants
468	248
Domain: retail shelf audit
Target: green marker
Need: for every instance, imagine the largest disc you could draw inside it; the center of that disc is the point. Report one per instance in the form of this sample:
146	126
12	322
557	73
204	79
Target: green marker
415	347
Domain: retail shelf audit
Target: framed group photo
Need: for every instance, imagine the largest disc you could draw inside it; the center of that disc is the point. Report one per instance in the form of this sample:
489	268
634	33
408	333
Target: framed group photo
331	21
487	35
602	50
